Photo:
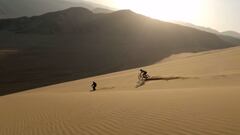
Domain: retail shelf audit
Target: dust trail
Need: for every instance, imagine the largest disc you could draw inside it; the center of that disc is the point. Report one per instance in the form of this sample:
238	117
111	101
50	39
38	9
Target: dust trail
157	78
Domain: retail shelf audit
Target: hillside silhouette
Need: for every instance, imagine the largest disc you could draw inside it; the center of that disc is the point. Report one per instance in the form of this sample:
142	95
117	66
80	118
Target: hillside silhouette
229	36
19	8
76	43
232	34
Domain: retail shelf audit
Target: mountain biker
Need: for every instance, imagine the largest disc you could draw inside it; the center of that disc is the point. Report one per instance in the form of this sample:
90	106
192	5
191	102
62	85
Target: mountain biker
143	74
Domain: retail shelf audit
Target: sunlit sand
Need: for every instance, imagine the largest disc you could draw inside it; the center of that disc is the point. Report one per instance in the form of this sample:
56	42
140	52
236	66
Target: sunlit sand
201	98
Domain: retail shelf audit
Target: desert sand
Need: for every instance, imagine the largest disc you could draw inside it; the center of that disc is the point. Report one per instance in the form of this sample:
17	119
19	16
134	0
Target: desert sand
203	101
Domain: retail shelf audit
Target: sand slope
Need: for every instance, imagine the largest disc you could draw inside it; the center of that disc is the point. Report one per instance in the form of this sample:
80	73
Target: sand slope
205	101
68	45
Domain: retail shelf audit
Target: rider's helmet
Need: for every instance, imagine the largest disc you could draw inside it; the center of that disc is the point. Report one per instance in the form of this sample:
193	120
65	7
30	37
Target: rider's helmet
141	70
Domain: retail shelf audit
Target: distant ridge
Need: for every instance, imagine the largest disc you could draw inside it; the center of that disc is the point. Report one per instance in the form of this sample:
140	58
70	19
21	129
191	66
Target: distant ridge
76	43
232	34
229	36
20	8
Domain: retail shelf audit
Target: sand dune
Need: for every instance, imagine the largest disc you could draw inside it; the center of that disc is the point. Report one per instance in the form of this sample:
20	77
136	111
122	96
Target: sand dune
201	98
58	47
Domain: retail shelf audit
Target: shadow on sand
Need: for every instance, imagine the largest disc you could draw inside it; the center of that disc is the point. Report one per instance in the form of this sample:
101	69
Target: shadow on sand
106	88
157	78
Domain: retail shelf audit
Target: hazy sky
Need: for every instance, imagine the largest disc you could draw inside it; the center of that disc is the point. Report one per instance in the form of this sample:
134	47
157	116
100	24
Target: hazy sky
218	14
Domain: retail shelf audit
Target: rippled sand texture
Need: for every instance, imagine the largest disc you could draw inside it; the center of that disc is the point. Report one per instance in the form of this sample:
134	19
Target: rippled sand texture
202	99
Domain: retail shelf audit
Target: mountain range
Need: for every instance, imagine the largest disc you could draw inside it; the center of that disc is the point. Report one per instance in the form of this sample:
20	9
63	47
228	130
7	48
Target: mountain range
76	43
234	36
20	8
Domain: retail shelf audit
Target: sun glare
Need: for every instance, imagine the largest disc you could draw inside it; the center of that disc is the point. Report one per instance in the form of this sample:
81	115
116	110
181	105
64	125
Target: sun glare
168	10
